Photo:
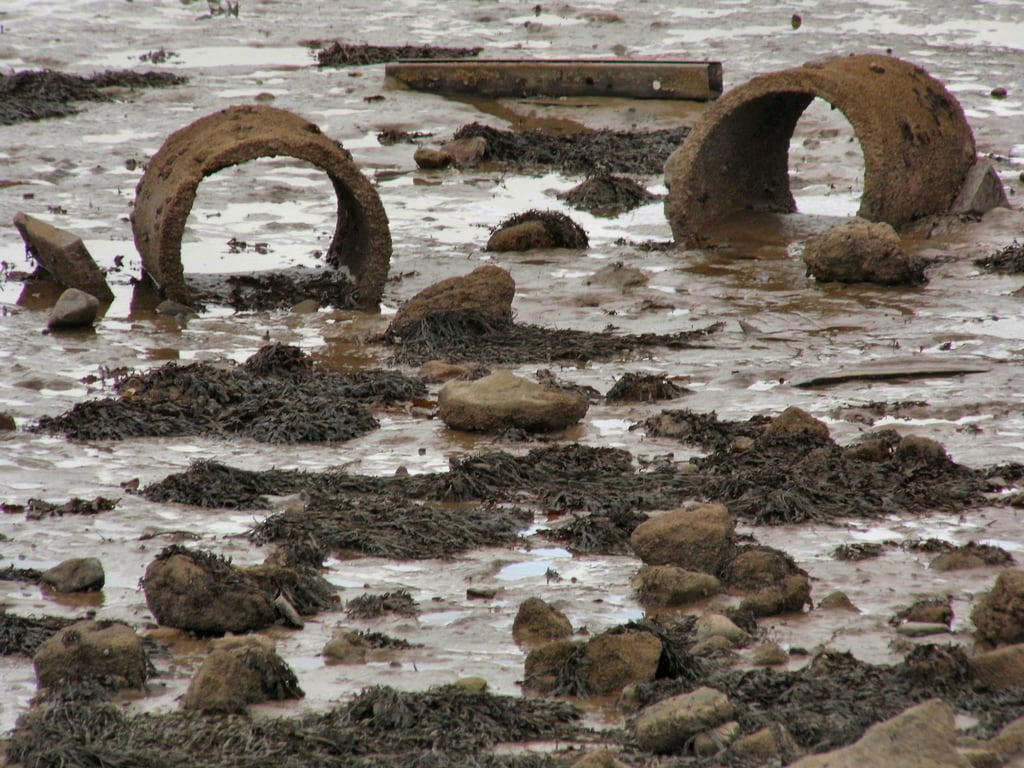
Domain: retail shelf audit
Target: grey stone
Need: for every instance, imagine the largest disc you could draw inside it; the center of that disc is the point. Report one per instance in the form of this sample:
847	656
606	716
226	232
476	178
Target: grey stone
981	191
667	725
80	574
74	309
63	255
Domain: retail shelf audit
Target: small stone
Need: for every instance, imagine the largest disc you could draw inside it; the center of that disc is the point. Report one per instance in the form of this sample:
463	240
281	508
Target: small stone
796	20
837	601
999	92
475	686
710	743
345	647
80	574
538	622
668	586
74	309
431	159
619	276
666	726
796	421
288	613
481	593
921	629
717	625
175	309
465	153
306	307
503	400
769	655
240	671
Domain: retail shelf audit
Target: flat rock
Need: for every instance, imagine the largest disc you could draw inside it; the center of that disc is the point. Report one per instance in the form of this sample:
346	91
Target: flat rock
63	255
92	650
921	629
502	401
912	368
666	726
700	539
982	190
79	574
74	309
920	737
487	290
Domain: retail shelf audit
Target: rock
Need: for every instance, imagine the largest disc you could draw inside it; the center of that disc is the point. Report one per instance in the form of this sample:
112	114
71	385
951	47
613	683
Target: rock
203	593
796	421
240	671
700	539
981	758
544	663
861	252
177	310
599	758
346	647
526	236
1001	668
431	159
999	615
710	743
869	449
487	291
921	629
502	401
1010	739
74	309
474	686
288	613
958	559
80	574
539	622
481	593
769	655
929	611
307	307
788	596
759	567
716	625
981	191
920	737
999	92
667	725
7	423
669	586
106	651
617	275
920	450
716	645
764	745
465	153
612	661
63	255
837	601
438	370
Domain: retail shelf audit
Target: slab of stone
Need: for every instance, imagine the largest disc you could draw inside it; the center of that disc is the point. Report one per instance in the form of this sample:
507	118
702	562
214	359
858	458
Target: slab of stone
981	191
63	255
503	401
912	368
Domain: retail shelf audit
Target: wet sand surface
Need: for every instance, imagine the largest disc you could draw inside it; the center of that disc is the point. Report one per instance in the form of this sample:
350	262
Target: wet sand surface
80	173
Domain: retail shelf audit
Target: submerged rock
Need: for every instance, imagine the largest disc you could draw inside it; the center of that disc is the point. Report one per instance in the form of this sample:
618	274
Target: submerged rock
74	309
487	290
999	615
108	652
503	401
920	737
669	724
539	622
861	252
700	539
240	671
80	574
669	586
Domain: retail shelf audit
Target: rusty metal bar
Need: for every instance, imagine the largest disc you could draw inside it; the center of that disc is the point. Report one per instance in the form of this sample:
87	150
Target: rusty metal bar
517	78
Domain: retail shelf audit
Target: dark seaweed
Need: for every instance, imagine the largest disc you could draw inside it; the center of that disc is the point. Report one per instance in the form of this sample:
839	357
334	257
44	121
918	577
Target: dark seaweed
644	388
23	635
563	231
607	195
339	54
704	430
1009	260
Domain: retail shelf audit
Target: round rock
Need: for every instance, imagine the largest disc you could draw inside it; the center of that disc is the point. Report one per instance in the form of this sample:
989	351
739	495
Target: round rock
79	574
74	309
503	401
861	252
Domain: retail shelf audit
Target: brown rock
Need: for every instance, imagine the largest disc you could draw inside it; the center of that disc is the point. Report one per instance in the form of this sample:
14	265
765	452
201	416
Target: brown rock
999	615
666	726
240	671
764	745
788	596
920	737
465	153
79	574
7	423
796	421
921	450
438	370
487	290
92	650
539	622
769	655
668	586
837	601
711	742
716	625
599	758
74	309
861	252
759	567
431	159
502	401
64	256
1010	739
527	236
544	663
698	539
930	611
612	661
345	647
1001	668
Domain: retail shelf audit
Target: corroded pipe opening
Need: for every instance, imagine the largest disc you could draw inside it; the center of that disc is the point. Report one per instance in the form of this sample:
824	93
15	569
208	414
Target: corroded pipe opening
916	143
167	190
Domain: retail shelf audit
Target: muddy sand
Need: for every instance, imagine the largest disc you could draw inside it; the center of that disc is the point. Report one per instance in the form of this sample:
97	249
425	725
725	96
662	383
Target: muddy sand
151	434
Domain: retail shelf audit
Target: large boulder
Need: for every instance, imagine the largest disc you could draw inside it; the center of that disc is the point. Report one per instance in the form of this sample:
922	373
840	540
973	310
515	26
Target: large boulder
487	291
613	661
920	737
74	309
670	723
861	252
999	615
539	622
204	593
669	586
505	401
240	671
1001	668
63	255
79	574
700	539
104	651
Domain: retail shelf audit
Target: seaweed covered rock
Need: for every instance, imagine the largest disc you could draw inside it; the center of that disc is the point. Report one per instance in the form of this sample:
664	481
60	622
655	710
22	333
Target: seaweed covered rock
505	401
79	574
796	421
462	153
669	724
758	567
861	252
644	388
787	596
607	195
537	229
613	660
539	622
920	737
700	539
545	663
240	671
1001	668
487	290
100	651
999	615
204	593
669	586
346	646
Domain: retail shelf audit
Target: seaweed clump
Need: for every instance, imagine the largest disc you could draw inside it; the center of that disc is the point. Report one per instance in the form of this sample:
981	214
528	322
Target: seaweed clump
1009	260
586	154
274	290
644	388
285	403
39	94
607	195
23	635
704	430
399	602
562	231
339	54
